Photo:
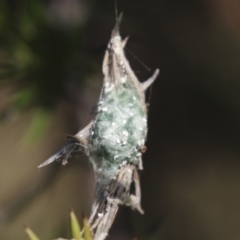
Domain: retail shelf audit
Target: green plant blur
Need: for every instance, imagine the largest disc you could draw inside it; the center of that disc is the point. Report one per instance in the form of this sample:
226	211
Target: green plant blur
76	232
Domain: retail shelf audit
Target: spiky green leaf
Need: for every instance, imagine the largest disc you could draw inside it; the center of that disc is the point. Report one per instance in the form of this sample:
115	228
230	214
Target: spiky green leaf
31	234
75	227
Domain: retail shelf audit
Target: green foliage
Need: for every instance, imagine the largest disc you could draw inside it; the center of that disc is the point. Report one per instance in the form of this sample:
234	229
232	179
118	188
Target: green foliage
38	126
37	60
75	229
18	30
31	234
23	98
87	235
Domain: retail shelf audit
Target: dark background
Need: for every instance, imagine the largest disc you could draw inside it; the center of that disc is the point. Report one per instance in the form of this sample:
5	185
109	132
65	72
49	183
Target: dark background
50	78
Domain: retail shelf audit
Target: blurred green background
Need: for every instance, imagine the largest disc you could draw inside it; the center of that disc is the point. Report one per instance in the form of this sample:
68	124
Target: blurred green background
50	78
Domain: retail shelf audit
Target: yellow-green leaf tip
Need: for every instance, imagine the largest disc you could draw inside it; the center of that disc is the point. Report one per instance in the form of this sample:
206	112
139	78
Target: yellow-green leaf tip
31	234
87	231
75	227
